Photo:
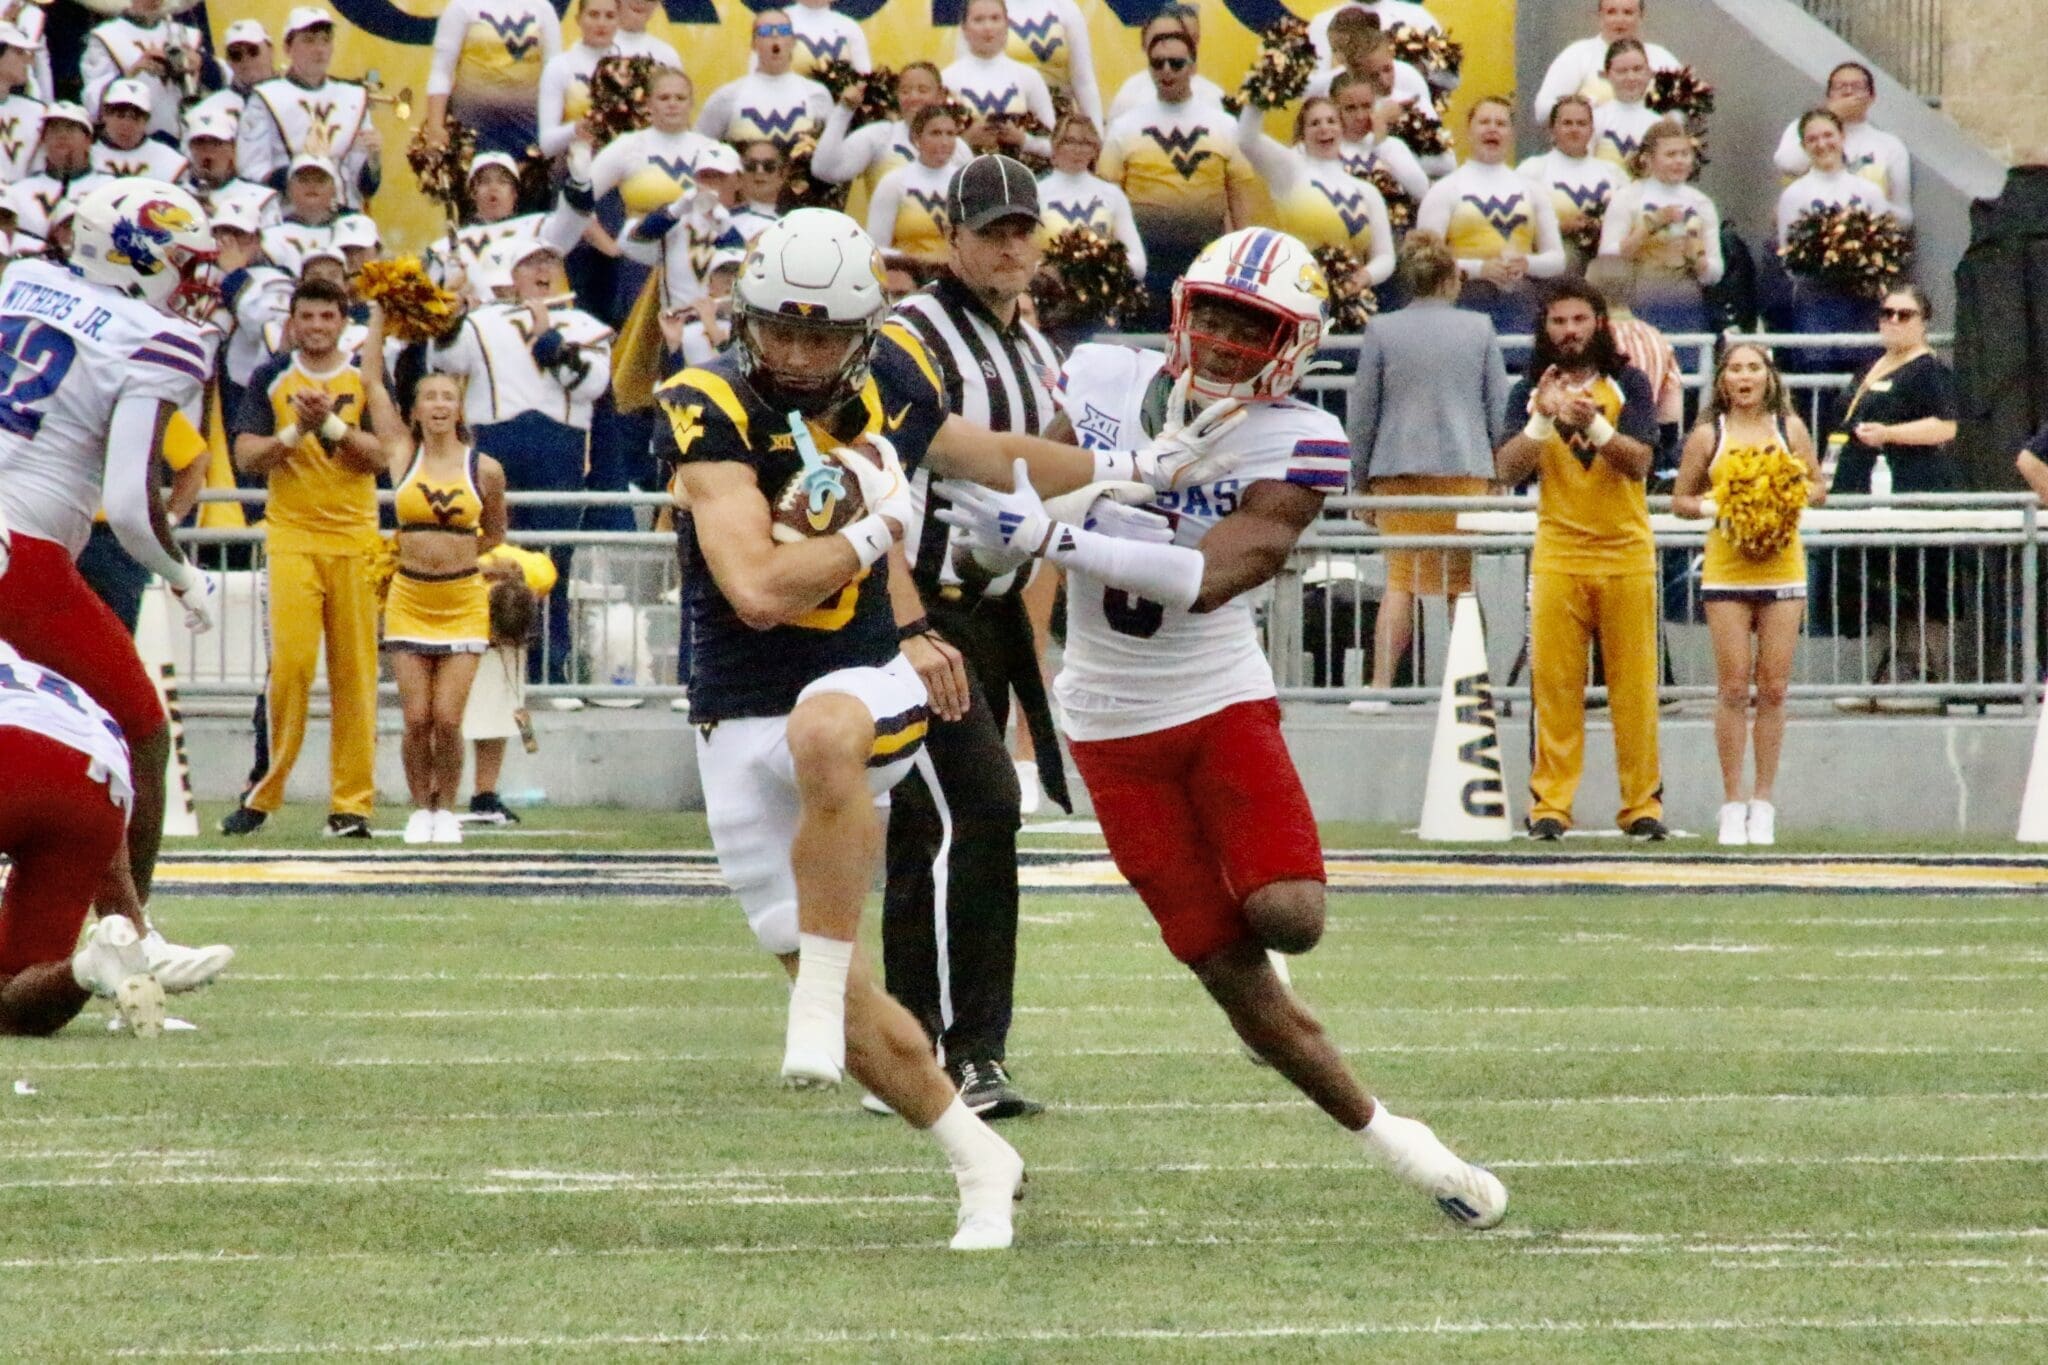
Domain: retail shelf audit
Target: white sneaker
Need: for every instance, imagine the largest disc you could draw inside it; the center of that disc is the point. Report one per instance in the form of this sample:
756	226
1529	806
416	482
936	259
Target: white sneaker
1027	787
1470	1196
112	966
446	827
875	1104
1763	823
989	1191
179	969
1735	825
814	1048
419	827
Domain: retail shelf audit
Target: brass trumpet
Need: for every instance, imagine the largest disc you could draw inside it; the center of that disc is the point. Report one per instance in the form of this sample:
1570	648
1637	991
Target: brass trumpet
401	103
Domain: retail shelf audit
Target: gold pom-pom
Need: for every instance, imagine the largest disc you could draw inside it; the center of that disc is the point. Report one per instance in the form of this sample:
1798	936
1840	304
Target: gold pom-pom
443	171
1421	130
878	88
1681	92
1281	70
1434	53
1760	491
1085	281
415	308
1401	205
800	188
1849	248
1352	301
618	96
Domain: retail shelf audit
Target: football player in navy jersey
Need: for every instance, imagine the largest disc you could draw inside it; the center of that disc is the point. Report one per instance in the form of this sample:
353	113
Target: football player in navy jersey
813	673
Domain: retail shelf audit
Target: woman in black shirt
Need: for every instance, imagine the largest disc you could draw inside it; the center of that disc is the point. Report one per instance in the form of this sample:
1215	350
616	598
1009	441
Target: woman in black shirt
1904	409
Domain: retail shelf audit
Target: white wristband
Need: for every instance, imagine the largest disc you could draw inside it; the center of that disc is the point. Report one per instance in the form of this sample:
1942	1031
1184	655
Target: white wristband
289	436
870	538
1115	466
1540	428
333	430
186	579
1600	431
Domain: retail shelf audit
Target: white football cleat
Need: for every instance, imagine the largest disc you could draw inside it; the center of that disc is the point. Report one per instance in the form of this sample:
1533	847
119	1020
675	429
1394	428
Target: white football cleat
447	827
419	827
112	966
989	1191
179	969
814	1048
875	1104
1470	1196
1763	823
1734	824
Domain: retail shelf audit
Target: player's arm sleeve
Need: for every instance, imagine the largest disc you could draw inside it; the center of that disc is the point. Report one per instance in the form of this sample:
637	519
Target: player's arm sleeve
135	439
449	31
909	387
1127	233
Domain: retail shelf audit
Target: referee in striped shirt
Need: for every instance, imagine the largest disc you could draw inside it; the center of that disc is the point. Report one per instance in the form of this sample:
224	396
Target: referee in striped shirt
949	920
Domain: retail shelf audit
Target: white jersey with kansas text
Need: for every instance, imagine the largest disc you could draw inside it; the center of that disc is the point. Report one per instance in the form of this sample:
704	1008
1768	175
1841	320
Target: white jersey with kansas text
45	703
70	350
1134	666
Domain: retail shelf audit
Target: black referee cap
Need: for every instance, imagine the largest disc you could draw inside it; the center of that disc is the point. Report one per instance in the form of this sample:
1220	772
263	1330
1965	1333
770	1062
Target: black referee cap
990	188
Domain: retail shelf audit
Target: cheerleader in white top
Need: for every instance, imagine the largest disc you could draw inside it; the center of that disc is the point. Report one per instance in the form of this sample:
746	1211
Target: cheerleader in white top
1397	87
1071	195
845	153
1501	227
1051	37
488	59
565	81
1318	201
823	35
996	87
633	39
1392	14
1576	71
1817	306
1581	185
1668	230
1385	163
1620	123
651	167
908	210
771	103
1871	152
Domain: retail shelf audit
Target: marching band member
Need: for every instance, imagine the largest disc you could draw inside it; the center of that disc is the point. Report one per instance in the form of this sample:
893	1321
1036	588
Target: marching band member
305	112
125	146
165	57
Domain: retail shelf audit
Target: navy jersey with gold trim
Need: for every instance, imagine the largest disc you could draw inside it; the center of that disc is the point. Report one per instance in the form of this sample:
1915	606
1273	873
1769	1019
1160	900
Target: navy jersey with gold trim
712	413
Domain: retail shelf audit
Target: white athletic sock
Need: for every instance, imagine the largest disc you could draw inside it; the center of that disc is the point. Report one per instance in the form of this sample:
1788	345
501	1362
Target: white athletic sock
822	966
1403	1146
962	1134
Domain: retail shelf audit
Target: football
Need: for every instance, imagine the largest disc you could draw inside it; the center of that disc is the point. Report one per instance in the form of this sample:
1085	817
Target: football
821	499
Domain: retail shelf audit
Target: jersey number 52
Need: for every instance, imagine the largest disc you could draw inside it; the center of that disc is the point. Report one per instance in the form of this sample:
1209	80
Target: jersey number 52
34	359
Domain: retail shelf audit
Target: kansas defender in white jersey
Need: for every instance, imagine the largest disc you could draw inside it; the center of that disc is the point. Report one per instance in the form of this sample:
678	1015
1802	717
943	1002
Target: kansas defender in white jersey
1170	703
63	810
92	365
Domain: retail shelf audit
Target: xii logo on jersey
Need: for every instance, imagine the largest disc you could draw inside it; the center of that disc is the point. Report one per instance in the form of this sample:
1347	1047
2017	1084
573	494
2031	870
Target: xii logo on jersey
1097	429
1180	146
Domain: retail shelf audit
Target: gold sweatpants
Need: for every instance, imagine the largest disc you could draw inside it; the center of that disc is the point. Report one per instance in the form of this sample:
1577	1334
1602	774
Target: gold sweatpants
315	597
1567	612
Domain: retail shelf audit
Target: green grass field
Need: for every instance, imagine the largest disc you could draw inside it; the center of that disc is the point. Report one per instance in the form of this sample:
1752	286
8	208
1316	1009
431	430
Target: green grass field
1756	1127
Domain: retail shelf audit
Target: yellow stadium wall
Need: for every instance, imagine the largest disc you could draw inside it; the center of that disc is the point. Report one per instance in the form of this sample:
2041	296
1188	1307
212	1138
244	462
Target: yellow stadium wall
393	37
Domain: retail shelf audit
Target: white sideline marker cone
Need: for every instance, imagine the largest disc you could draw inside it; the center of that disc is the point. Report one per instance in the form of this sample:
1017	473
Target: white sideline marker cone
2034	805
153	643
1465	799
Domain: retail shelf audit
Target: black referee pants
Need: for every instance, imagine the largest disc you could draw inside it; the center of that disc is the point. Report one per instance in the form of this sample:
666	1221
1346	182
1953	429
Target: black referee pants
949	913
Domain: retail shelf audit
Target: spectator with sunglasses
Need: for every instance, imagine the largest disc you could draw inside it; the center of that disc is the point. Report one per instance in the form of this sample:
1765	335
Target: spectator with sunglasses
251	60
1178	161
771	102
1185	20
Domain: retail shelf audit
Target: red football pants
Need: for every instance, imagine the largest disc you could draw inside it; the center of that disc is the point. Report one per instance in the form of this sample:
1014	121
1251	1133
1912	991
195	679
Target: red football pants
62	829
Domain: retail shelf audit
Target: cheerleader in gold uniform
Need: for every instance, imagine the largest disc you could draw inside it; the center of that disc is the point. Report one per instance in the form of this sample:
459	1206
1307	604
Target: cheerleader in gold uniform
1754	590
437	620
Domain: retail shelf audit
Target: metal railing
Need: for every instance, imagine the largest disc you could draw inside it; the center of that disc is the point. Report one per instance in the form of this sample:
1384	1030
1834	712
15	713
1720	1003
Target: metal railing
1943	610
1902	36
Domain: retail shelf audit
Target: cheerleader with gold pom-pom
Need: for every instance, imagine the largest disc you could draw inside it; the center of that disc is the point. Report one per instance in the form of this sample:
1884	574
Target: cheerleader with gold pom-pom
1750	466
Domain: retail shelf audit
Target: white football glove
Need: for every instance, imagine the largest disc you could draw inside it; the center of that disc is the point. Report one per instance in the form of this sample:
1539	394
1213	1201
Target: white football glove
883	486
199	595
988	519
1111	518
1073	508
1182	454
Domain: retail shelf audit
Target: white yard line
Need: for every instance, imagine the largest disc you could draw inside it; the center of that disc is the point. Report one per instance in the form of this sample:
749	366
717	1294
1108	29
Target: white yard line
612	1341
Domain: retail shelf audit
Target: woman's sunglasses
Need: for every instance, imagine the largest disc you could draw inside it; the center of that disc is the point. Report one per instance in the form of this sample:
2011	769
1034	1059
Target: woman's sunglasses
1171	63
1898	314
775	30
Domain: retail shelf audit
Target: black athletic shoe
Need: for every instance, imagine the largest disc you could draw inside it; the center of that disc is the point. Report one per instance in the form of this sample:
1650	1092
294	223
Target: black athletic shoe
1649	829
491	810
1547	830
242	820
985	1087
347	827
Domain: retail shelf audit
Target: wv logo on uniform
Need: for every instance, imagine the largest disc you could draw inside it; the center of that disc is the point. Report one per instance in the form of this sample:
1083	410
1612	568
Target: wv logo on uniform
516	34
1504	214
1042	36
1180	145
